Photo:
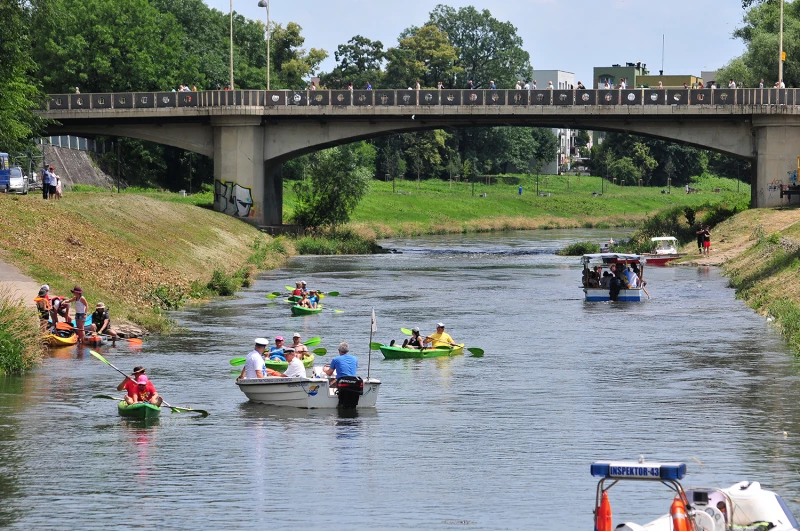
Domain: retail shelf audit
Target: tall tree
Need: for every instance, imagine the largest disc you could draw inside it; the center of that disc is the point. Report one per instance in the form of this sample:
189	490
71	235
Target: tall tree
293	64
358	62
19	91
425	56
488	50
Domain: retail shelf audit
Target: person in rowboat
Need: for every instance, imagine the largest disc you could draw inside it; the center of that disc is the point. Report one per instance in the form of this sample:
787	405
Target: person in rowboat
345	364
254	367
101	322
296	369
415	341
129	383
145	392
276	352
300	349
440	338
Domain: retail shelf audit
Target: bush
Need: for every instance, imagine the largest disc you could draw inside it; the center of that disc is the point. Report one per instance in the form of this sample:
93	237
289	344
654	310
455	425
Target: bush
21	344
580	249
167	297
340	242
222	283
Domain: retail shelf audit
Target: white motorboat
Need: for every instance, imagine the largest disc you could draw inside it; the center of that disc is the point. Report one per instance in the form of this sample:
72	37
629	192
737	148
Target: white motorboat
665	249
595	290
310	393
743	506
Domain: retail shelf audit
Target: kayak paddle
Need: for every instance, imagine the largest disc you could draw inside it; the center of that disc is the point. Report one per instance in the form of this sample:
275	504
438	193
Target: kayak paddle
202	412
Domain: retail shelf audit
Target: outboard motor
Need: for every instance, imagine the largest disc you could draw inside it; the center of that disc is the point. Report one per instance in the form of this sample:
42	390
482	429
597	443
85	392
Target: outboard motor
350	390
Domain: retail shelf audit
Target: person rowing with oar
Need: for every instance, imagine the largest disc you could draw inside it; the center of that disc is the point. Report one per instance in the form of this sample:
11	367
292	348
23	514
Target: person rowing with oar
145	392
440	338
129	384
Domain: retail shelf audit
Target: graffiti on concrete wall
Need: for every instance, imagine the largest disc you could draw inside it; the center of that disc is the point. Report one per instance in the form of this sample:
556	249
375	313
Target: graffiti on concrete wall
233	199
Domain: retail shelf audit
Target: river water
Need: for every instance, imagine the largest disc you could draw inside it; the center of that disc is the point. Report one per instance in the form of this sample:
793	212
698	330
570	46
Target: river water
499	442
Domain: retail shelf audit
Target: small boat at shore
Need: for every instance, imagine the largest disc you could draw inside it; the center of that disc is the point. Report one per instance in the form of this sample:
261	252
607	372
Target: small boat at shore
742	506
602	262
399	353
302	310
62	338
140	410
311	393
664	250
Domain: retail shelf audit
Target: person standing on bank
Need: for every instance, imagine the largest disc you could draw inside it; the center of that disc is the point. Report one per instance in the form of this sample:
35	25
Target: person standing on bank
255	367
707	240
81	306
700	238
345	364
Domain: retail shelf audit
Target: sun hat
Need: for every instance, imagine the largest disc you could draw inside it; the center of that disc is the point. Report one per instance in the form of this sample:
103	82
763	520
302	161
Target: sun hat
279	338
138	368
415	330
101	306
288	350
45	287
297	334
262	341
76	289
142	380
438	325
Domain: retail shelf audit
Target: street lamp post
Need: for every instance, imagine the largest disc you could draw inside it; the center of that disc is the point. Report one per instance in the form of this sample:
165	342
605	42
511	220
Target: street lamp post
265	3
780	54
231	60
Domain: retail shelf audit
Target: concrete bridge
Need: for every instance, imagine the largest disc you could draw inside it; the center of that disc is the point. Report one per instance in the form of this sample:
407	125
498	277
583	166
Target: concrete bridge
251	133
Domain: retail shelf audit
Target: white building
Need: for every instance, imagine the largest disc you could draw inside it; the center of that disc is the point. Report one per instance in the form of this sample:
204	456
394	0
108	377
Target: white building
566	137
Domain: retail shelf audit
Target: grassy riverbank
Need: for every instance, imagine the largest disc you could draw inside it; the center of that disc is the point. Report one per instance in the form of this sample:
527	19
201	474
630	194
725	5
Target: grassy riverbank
140	255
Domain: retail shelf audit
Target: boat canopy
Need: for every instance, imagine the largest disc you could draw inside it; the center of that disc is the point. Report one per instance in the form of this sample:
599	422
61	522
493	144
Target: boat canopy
664	239
610	258
636	470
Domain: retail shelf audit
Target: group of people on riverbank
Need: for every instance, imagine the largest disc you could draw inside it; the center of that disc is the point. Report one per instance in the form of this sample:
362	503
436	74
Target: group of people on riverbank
703	239
51	308
51	184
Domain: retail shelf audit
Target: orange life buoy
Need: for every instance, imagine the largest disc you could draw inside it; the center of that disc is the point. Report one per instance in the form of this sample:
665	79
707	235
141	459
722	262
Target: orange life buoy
680	521
604	514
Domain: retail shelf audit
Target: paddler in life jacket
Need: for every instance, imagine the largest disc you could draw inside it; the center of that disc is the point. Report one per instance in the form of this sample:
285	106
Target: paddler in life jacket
298	291
43	307
440	338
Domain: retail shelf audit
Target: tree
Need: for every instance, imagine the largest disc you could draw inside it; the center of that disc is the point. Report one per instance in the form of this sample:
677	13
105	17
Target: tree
625	171
488	50
19	91
338	178
582	139
294	64
425	56
358	62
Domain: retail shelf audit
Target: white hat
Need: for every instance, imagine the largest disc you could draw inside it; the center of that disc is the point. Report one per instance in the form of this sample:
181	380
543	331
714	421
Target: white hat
45	287
262	341
297	334
439	325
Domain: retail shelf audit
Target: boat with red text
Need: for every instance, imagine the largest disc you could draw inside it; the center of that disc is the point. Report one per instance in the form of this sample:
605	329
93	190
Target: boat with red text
664	250
744	506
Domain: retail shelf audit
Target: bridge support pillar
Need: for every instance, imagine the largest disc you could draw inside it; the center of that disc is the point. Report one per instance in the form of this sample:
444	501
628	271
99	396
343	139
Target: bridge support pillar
777	146
273	193
239	168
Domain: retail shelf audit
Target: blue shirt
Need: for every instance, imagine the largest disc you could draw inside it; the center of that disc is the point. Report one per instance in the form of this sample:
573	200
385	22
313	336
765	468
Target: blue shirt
345	365
276	354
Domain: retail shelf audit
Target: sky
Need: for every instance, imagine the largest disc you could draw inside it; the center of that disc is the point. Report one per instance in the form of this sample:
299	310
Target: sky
570	35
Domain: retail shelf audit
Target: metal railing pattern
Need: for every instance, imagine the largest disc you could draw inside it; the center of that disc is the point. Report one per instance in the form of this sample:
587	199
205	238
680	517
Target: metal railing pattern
423	98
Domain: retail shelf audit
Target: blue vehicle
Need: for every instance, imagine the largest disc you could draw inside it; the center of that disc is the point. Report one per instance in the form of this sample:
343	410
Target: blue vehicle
5	172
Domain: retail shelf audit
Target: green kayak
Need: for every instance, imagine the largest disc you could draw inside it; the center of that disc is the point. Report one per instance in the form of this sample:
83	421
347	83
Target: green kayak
400	353
294	298
300	310
281	366
142	410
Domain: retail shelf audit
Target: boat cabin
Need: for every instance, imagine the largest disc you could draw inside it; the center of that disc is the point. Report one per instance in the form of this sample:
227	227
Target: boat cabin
664	245
599	271
744	505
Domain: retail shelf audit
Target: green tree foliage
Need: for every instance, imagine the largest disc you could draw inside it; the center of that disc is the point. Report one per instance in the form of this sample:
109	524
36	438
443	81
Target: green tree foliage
425	55
425	151
488	50
760	35
582	138
358	62
292	62
19	90
338	178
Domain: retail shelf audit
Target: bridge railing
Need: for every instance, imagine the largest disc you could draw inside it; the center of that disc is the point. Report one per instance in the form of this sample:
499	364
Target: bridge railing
423	98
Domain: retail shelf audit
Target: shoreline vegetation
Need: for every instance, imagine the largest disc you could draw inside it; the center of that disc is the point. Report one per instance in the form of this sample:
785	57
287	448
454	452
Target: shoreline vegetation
145	252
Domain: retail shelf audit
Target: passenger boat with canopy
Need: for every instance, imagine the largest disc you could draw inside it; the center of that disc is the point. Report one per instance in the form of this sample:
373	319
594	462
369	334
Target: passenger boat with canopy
743	506
601	263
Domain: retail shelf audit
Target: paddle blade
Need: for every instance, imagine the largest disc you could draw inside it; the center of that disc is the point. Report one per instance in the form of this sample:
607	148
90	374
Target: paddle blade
238	362
338	311
320	351
64	326
108	397
289	288
313	342
202	412
321	296
134	340
272	296
98	356
406	331
375	345
333	294
477	352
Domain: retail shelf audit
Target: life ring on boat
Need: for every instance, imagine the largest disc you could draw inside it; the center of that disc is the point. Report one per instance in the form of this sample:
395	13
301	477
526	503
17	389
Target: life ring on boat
272	372
677	511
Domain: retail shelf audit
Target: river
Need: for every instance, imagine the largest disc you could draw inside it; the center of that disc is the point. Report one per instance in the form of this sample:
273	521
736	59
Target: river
499	442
